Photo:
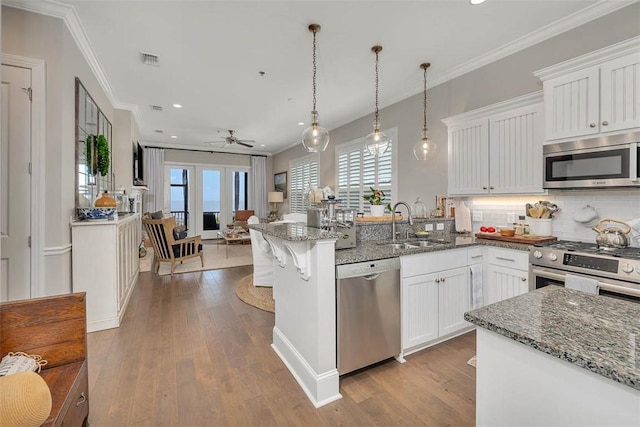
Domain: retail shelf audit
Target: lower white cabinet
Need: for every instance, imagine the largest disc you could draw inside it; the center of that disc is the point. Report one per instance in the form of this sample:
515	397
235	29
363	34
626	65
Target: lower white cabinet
506	274
435	296
106	266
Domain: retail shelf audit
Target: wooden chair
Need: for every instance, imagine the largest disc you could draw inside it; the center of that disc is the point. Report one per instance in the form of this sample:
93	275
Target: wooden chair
166	248
242	217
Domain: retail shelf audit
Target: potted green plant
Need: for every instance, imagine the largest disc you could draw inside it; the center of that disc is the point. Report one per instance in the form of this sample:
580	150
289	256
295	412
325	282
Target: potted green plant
376	199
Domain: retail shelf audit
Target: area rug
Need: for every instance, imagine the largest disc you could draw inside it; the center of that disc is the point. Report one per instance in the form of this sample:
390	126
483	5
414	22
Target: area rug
214	258
257	296
472	361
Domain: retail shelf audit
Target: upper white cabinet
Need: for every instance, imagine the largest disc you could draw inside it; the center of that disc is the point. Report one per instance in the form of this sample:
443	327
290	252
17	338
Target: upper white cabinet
497	149
597	93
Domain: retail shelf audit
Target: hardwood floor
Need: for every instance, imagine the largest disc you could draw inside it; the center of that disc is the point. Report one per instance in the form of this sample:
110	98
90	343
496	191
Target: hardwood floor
190	353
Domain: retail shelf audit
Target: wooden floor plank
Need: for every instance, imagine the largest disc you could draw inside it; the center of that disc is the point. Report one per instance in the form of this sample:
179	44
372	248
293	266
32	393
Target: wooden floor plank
190	353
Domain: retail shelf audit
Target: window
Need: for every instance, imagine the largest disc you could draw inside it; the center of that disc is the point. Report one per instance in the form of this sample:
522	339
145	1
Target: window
303	175
357	170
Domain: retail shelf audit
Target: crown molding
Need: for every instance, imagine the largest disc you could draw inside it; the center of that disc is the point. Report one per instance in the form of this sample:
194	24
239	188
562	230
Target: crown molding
497	108
71	19
583	16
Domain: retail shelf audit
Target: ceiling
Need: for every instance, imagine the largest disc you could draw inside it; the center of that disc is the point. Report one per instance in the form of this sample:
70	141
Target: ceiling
211	54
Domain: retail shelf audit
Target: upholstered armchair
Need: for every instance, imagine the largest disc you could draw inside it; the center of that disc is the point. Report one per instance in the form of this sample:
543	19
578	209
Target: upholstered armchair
262	258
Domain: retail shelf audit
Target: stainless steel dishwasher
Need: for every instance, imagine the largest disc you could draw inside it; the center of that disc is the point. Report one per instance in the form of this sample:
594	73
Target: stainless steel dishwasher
368	313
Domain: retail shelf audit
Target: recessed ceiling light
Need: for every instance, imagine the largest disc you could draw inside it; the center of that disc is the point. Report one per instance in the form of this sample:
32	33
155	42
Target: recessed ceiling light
177	106
300	123
476	1
262	145
174	137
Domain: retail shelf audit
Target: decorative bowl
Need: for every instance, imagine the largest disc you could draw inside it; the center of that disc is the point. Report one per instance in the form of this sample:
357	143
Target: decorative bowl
507	232
421	233
97	213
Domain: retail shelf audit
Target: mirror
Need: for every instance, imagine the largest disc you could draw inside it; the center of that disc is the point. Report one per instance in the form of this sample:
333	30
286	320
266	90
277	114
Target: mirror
93	149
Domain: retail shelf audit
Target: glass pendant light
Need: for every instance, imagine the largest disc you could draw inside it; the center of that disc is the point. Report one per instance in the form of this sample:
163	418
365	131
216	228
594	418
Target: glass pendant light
315	138
424	149
377	143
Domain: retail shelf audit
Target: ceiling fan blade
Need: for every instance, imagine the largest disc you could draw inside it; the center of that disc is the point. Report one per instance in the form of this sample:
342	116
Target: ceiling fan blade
247	140
246	145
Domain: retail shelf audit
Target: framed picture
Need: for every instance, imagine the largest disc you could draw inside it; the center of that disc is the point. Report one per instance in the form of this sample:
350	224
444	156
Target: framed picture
280	182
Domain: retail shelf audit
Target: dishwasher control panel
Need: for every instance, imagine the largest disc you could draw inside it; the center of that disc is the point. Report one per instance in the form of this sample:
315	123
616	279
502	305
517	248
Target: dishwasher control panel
367	267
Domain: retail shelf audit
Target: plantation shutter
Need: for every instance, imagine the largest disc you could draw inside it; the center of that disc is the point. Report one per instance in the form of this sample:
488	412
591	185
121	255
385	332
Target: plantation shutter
358	170
304	174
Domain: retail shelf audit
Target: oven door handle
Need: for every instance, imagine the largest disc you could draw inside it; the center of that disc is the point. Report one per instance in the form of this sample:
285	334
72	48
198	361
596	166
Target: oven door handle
548	274
619	289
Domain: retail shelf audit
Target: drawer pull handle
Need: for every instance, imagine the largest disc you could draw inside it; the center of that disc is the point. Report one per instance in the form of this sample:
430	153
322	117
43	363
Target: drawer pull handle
476	256
505	259
82	400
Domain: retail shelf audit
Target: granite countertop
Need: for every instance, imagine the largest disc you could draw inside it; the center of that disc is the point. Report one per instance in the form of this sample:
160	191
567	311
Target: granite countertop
372	250
596	333
295	231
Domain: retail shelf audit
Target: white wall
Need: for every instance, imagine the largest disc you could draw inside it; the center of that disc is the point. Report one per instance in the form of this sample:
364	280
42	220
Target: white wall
504	79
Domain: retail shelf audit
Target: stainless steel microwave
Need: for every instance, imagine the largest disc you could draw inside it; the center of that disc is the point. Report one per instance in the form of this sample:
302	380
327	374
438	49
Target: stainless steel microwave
605	162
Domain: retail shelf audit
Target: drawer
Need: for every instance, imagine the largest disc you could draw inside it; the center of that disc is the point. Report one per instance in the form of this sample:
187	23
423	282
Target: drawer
78	401
510	258
429	262
476	255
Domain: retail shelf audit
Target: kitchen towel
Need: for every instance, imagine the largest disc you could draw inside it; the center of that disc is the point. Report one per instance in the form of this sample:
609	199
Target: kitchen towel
579	283
476	285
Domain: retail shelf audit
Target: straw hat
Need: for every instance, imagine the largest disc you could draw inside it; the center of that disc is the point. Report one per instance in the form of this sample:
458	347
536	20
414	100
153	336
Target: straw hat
25	399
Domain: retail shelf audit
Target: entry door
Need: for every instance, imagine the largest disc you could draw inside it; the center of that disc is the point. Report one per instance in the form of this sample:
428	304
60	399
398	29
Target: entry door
15	184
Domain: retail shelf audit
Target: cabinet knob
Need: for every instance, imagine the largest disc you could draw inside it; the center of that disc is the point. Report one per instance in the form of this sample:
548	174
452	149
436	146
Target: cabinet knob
437	280
592	125
491	188
605	123
484	188
524	279
442	280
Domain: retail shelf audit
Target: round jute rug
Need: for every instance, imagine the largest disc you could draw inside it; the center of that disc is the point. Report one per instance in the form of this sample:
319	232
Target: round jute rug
257	296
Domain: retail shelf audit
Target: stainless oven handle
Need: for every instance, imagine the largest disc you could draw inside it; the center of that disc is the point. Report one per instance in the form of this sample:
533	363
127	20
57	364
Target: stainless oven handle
619	289
603	285
547	274
633	162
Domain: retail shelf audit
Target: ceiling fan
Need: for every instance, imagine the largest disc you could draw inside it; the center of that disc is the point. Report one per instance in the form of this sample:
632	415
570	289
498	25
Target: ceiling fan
231	139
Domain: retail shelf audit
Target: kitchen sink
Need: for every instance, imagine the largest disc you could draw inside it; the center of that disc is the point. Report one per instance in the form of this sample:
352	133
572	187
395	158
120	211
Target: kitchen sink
399	245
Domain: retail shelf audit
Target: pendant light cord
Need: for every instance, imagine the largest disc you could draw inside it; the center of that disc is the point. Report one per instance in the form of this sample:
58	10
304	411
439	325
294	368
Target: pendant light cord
314	70
376	115
425	98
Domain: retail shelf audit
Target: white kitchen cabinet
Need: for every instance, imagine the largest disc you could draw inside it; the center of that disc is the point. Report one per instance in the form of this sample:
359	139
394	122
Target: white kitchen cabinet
597	93
506	275
106	266
435	296
497	149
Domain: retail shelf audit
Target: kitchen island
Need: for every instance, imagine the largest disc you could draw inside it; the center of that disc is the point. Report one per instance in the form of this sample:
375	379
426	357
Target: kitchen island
556	356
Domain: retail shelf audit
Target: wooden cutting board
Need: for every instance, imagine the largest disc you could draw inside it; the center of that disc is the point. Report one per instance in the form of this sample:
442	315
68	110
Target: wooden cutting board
530	240
385	218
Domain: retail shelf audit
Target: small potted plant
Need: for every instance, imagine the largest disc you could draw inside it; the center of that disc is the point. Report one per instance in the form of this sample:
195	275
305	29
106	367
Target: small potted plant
376	199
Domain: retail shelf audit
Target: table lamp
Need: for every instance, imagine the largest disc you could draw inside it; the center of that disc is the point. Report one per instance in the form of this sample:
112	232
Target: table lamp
275	197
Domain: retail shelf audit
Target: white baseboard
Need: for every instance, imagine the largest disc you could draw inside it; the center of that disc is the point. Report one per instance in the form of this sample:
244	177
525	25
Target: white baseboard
442	339
321	389
100	325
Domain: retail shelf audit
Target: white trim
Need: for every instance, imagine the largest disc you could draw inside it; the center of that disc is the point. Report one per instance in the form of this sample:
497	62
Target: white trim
70	17
57	250
596	57
38	130
319	388
500	107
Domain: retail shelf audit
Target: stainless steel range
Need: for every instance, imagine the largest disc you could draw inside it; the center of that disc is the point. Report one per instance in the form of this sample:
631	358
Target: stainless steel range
617	271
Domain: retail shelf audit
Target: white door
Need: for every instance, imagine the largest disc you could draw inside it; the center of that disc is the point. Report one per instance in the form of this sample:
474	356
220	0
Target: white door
503	283
211	216
15	184
620	94
469	158
419	310
454	299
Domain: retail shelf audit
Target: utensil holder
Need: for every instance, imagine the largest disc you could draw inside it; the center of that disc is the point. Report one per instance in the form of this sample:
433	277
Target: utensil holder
540	226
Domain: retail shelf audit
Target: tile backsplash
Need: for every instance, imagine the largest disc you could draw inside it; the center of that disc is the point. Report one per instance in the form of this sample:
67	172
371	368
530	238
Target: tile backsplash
621	204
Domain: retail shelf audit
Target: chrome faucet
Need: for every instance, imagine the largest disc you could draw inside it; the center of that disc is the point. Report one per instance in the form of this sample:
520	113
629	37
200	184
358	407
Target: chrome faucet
393	218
